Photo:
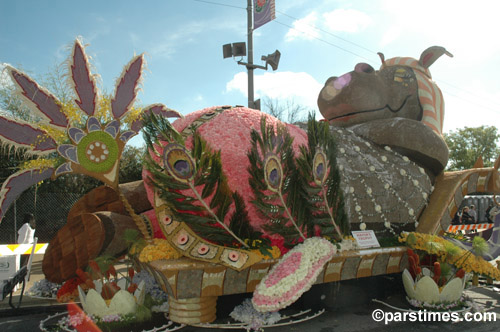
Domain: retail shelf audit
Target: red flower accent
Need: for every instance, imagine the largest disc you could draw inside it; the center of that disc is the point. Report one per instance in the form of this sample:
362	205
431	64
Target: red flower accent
109	290
278	242
132	288
69	287
112	271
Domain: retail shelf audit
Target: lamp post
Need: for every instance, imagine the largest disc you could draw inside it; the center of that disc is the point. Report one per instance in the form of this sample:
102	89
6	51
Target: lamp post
236	50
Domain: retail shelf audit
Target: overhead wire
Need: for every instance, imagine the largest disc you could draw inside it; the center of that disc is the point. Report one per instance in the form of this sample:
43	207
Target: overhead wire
356	54
220	4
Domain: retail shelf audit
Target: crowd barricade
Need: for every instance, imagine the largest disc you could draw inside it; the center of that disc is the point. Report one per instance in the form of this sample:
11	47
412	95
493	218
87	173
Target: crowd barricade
11	273
469	227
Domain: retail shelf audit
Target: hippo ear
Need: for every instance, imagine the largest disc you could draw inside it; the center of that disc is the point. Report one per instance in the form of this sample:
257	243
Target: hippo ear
432	54
382	57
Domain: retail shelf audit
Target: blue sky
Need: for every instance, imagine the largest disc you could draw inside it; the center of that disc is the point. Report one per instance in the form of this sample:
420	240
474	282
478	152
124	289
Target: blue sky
183	42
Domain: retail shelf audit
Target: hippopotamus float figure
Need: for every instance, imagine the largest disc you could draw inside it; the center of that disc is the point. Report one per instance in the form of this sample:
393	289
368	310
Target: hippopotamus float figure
398	105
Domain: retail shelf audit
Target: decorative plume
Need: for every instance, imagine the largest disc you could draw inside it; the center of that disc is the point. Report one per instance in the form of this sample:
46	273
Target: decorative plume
82	80
39	100
93	149
127	87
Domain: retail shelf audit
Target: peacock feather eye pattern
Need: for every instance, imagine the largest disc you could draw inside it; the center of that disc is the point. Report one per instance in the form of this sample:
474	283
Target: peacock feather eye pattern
178	163
273	172
320	167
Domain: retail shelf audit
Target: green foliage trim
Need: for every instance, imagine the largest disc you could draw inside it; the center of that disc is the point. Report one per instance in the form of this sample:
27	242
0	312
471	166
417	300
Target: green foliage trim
211	197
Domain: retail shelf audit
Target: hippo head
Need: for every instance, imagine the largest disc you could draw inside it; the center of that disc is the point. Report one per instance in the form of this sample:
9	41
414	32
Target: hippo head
402	87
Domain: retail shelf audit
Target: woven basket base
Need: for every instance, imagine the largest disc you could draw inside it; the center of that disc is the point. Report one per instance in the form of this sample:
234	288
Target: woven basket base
199	310
79	241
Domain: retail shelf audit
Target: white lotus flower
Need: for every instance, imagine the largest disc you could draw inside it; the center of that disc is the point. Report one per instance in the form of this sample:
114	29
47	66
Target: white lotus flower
426	289
122	303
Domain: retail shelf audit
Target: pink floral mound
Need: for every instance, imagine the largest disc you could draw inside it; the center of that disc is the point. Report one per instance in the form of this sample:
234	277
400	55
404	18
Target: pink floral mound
229	132
293	275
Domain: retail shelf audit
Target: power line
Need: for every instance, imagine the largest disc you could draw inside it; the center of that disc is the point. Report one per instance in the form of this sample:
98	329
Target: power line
472	102
353	53
471	93
322	40
220	4
329	33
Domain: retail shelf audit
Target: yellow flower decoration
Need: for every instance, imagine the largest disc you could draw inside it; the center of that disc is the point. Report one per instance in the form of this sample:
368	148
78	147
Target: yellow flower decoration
159	249
449	253
275	253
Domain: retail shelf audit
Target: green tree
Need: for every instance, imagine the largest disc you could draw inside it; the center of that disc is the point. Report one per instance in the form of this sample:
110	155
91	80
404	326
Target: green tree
468	144
286	111
131	164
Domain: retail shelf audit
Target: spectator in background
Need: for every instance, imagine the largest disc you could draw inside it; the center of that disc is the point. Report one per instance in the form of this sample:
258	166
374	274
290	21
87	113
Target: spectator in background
457	219
466	217
26	234
473	213
487	213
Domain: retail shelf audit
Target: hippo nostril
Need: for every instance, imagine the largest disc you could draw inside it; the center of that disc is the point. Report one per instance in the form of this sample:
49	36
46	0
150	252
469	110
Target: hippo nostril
331	79
363	68
342	81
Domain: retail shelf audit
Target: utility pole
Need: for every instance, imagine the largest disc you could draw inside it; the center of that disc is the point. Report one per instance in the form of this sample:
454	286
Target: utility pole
238	49
250	67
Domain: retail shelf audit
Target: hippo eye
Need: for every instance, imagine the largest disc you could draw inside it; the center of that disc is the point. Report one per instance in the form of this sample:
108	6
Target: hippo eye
402	74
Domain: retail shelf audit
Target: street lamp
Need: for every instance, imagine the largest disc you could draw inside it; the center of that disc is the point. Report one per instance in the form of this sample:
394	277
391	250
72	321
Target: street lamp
238	49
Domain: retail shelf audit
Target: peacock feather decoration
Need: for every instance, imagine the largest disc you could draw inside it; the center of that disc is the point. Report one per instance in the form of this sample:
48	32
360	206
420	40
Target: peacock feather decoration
193	199
301	195
317	165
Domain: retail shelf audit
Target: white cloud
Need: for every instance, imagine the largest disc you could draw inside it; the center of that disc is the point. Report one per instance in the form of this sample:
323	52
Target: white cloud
173	39
347	20
464	29
300	87
305	28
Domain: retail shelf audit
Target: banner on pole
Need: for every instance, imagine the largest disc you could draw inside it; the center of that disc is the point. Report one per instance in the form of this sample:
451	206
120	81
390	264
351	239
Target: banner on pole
263	12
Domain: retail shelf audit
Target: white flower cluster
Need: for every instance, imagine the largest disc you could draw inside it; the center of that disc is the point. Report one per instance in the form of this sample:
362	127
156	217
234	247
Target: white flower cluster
293	275
44	288
253	319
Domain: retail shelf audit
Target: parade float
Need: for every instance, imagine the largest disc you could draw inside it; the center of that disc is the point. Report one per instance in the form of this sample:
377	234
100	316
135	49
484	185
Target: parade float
234	201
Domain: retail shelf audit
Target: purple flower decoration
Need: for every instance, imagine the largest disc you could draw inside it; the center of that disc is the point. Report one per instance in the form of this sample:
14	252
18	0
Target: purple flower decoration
94	150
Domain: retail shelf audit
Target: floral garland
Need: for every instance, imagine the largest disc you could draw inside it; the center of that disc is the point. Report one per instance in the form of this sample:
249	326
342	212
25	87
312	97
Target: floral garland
293	275
445	251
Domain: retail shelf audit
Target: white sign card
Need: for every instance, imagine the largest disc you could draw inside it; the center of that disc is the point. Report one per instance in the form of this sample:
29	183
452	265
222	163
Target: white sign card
366	239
